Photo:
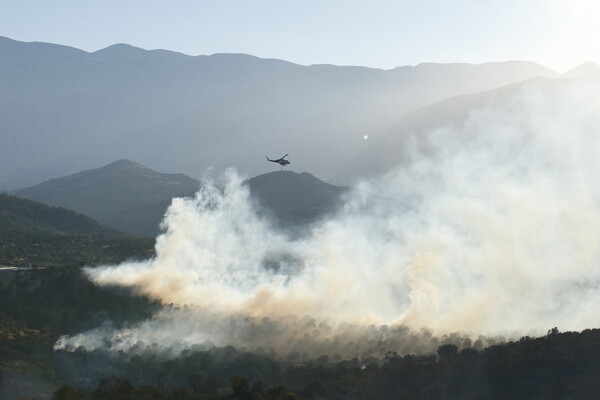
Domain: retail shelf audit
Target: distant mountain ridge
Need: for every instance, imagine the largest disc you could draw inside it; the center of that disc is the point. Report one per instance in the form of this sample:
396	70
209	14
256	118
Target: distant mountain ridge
65	110
132	198
295	198
412	132
585	70
122	194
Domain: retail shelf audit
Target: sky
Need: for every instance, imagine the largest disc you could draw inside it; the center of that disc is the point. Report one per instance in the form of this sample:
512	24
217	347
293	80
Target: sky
559	34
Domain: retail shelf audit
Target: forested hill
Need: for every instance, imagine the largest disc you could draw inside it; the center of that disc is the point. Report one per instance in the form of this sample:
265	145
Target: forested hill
123	194
39	235
22	215
133	198
295	198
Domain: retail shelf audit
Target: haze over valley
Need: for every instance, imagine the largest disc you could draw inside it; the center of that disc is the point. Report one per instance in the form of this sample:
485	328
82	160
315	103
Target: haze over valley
65	110
434	234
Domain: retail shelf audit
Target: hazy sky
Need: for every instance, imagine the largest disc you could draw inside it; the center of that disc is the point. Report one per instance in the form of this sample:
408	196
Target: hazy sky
377	33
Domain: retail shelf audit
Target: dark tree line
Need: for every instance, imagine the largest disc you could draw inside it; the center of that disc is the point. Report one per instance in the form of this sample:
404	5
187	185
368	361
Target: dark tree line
38	306
556	366
55	249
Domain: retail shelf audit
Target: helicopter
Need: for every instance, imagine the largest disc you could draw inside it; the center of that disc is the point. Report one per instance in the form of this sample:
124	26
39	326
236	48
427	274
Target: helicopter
281	161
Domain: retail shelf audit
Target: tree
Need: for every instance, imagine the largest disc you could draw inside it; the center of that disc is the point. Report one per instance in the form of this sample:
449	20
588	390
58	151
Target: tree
114	389
242	391
67	392
447	352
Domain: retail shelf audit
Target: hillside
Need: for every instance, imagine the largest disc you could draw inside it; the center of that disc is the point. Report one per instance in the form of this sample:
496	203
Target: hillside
295	198
130	197
123	194
26	216
65	110
35	234
391	148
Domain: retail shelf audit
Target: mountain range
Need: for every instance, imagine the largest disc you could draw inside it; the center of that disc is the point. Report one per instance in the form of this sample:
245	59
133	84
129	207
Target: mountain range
123	194
65	110
132	198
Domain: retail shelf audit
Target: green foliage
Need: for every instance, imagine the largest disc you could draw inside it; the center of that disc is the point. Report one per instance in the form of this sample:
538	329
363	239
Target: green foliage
447	352
36	234
21	215
38	306
44	250
564	365
67	392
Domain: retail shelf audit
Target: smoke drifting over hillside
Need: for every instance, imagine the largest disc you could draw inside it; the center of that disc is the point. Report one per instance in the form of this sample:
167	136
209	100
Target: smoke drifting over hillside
496	231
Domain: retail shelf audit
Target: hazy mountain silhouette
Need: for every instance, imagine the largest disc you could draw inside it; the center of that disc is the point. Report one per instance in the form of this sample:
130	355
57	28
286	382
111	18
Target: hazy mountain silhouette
585	70
27	216
124	194
295	198
390	149
132	198
65	110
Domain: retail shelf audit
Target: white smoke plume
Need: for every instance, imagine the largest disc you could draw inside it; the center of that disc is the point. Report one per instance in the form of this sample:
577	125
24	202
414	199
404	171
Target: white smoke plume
496	231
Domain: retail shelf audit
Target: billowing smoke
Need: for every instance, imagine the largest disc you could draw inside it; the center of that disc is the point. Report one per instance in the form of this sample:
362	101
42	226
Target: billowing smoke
495	231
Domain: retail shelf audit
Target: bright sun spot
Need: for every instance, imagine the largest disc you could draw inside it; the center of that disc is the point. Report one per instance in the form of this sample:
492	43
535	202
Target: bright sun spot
365	137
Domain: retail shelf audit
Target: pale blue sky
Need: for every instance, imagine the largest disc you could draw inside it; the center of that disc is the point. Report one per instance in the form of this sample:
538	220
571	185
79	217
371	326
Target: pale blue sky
378	33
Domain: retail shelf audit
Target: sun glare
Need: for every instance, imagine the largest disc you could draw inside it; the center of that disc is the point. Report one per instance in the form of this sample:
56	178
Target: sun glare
575	41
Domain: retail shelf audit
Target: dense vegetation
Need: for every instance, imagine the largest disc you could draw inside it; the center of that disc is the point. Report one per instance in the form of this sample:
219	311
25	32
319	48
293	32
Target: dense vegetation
35	234
556	366
38	306
22	249
22	215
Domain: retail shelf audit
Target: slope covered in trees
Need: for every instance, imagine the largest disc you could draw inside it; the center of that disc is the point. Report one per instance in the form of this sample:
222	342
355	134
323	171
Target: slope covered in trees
295	198
133	198
21	215
38	306
35	234
123	194
556	366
